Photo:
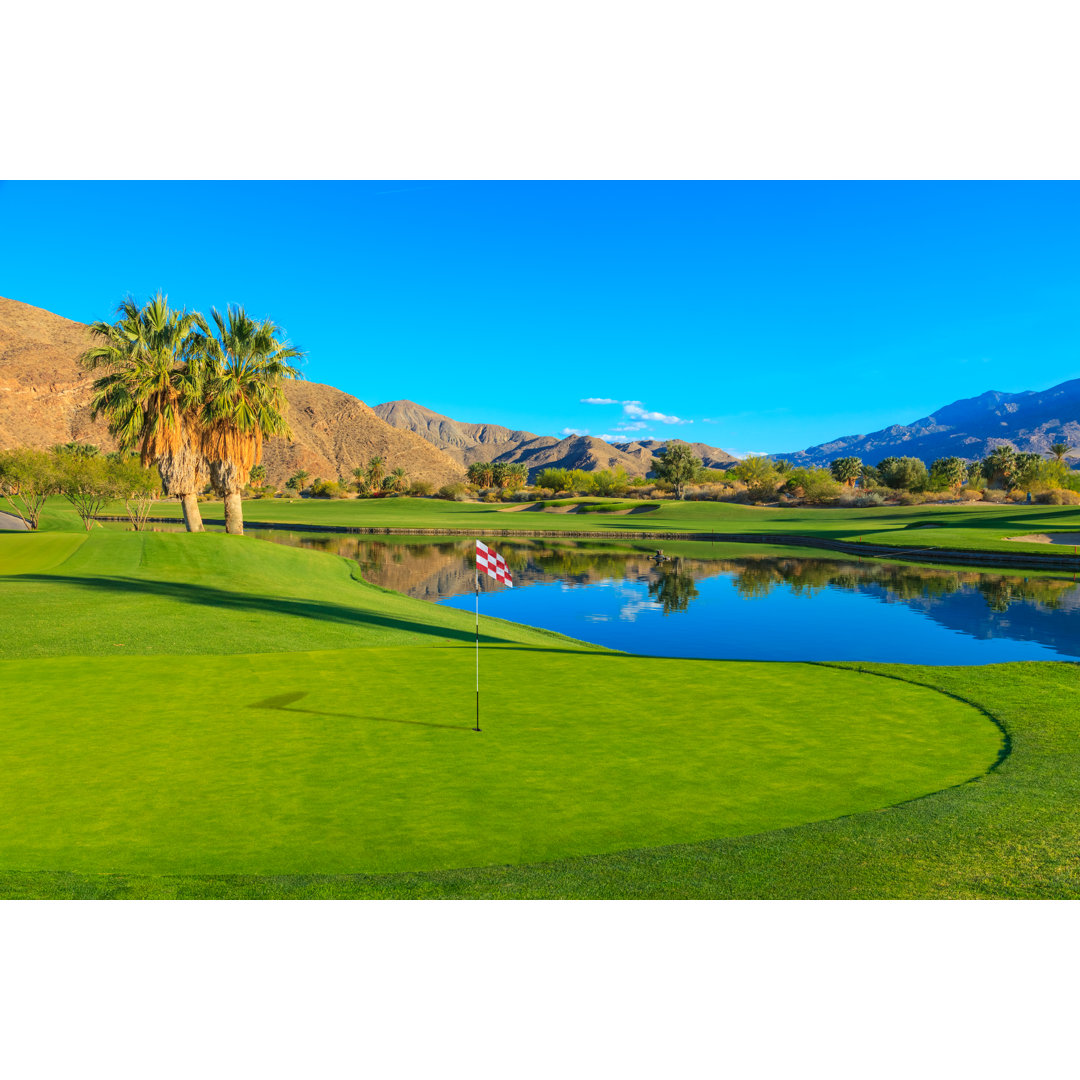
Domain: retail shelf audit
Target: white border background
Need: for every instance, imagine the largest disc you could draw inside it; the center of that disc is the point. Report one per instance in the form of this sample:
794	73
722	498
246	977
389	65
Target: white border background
560	90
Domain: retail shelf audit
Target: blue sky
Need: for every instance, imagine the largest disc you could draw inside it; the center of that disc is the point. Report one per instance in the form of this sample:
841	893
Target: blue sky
751	316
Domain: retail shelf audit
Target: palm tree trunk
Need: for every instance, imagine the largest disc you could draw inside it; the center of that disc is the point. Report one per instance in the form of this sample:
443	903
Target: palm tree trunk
192	513
234	514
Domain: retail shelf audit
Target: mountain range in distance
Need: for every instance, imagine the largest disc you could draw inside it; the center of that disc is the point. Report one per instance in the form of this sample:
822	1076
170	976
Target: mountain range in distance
468	443
45	396
1031	420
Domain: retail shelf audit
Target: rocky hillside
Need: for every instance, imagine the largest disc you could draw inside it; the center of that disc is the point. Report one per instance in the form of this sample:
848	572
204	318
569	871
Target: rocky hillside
1031	420
490	442
44	397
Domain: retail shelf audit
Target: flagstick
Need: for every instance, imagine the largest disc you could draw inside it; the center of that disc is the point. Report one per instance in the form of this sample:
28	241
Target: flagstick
477	650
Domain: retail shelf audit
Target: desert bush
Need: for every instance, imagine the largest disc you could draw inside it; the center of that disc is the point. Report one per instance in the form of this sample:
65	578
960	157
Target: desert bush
971	494
994	495
868	498
327	489
911	498
455	491
491	497
1058	497
421	487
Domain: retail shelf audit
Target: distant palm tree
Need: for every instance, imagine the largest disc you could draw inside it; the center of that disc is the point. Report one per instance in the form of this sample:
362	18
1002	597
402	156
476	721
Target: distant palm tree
245	365
516	475
399	476
151	392
376	469
1060	450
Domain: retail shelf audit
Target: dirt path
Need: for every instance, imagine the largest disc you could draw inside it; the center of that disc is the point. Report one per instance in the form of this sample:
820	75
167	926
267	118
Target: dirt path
10	521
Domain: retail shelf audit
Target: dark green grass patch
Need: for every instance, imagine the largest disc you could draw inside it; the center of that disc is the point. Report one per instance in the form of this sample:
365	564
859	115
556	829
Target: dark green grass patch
364	761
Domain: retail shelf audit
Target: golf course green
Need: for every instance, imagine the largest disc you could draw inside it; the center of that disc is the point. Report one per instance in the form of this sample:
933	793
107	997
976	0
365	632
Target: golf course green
213	716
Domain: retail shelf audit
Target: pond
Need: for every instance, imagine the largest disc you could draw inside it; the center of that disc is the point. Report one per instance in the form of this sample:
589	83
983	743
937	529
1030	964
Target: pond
732	602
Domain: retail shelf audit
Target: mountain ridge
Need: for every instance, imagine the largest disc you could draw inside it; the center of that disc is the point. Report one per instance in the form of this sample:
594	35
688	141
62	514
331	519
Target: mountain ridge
1030	420
45	399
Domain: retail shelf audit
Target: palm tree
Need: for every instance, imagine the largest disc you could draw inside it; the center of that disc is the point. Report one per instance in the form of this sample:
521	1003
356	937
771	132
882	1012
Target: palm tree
1060	450
243	401
375	471
1000	463
517	475
151	392
399	476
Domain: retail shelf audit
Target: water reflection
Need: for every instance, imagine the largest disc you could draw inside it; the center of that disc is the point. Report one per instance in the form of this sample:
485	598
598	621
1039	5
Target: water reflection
704	602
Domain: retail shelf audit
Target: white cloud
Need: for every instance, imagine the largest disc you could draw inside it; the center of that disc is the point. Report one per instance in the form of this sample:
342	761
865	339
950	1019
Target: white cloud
633	408
637	425
573	431
599	401
709	420
740	454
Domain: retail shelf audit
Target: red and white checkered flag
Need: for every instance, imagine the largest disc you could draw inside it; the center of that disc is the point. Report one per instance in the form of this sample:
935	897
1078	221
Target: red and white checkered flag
493	565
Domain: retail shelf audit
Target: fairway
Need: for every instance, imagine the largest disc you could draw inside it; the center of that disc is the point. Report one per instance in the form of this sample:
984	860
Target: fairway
363	761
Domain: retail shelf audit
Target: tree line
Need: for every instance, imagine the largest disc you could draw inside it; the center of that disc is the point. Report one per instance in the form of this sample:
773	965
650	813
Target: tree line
85	477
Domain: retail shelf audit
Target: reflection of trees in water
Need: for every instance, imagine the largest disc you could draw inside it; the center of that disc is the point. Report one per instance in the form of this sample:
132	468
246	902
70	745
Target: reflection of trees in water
672	584
673	588
805	577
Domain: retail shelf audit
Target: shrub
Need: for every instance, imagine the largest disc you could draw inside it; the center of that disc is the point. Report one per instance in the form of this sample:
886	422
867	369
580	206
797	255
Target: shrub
455	491
869	498
1058	497
491	497
971	494
911	498
327	489
994	495
421	487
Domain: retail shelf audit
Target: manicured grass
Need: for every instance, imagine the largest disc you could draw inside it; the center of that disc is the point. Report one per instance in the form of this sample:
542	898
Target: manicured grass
210	594
964	527
198	772
364	761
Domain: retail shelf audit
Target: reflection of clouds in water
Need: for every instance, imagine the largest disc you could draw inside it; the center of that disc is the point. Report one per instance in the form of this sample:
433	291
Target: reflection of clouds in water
629	612
597	618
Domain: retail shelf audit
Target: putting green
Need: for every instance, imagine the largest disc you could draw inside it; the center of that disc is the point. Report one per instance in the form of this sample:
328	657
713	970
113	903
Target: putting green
364	761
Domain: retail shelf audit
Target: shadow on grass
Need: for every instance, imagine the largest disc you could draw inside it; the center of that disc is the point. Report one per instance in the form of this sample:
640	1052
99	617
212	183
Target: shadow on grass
285	703
208	596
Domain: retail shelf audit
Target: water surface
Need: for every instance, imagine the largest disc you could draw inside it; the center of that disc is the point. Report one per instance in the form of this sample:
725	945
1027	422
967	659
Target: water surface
725	601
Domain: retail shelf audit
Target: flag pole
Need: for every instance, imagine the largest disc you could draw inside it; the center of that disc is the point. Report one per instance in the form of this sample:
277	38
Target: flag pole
477	572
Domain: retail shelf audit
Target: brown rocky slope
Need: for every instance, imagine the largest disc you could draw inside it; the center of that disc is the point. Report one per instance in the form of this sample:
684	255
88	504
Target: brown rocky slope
44	397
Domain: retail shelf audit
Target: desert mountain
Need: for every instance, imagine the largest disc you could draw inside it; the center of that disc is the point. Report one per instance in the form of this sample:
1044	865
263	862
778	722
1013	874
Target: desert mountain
490	442
1031	420
44	397
463	442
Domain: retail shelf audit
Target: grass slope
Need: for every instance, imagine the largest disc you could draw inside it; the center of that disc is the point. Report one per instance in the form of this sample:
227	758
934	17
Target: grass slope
209	594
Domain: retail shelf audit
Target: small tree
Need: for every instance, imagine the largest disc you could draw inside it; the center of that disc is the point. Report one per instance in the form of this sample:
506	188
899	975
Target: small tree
948	472
88	482
1061	450
756	471
258	476
999	465
27	478
139	488
296	481
904	473
397	480
846	470
376	469
1027	469
676	465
